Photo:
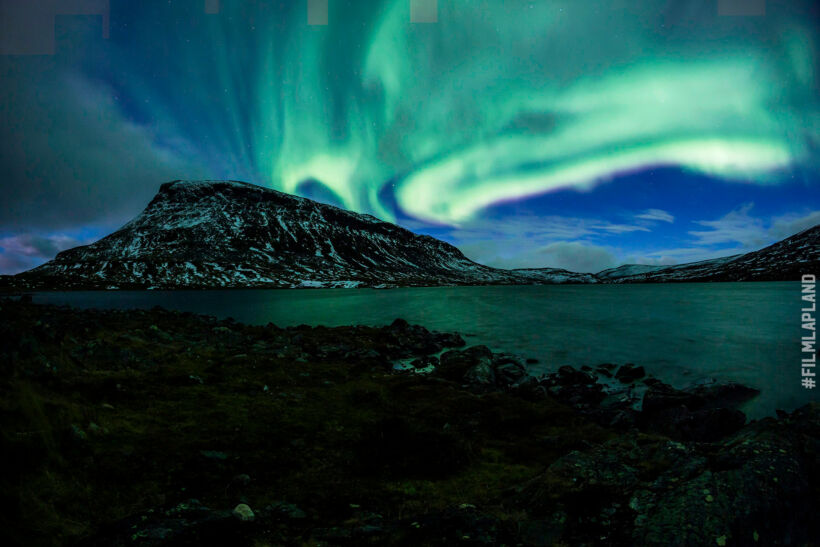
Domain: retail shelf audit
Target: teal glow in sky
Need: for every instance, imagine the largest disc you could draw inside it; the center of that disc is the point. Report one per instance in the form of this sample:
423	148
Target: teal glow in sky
496	101
442	126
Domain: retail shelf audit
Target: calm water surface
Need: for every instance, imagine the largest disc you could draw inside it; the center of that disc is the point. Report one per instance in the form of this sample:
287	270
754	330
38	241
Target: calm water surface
682	333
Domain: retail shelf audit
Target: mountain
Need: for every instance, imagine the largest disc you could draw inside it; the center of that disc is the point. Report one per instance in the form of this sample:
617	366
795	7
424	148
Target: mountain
626	270
209	234
215	234
549	276
785	260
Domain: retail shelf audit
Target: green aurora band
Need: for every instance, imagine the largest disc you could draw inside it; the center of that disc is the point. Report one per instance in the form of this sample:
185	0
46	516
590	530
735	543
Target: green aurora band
503	100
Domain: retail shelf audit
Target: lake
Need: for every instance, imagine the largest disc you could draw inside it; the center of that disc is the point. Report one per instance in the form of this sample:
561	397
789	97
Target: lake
681	333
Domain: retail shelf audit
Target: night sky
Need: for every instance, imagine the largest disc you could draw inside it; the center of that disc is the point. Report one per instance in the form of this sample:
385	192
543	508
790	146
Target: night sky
567	133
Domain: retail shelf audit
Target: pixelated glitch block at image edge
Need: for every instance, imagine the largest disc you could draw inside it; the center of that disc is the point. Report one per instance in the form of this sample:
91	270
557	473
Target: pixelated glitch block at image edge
27	26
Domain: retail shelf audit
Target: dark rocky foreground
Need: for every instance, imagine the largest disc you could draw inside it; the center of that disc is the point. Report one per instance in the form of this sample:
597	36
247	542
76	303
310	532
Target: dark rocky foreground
165	428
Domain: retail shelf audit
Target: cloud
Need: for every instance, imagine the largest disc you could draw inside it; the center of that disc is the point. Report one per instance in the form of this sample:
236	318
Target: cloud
750	232
621	228
576	257
737	226
12	264
510	253
541	229
23	252
789	225
656	214
70	157
737	232
573	243
682	255
532	241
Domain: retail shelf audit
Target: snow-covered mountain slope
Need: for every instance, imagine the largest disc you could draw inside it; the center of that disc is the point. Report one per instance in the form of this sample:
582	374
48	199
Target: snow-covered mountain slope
211	234
554	275
205	234
785	260
625	271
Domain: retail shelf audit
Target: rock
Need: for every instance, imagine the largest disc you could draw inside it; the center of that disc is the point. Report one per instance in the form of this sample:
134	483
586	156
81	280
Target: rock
720	394
527	381
651	382
603	468
293	512
456	526
334	536
482	374
581	396
448	340
622	420
424	362
567	375
704	396
713	424
78	433
540	533
186	523
629	373
287	510
454	364
242	479
662	396
755	493
702	413
399	324
708	425
243	512
509	371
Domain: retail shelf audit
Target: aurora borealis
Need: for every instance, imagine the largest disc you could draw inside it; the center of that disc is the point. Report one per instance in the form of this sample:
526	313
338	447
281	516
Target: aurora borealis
506	127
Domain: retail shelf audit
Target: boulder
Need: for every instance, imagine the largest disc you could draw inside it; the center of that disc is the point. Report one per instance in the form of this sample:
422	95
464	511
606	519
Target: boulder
756	491
454	364
243	512
567	376
424	362
662	396
707	425
629	373
481	374
720	394
508	369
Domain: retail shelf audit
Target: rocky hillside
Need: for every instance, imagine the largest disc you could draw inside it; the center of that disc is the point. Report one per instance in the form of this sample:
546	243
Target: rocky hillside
554	275
208	234
786	260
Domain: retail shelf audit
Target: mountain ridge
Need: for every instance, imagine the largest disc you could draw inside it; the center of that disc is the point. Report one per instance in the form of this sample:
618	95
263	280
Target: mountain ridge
233	234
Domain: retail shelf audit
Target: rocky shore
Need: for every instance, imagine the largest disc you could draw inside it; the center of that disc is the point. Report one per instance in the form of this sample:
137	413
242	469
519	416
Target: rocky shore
166	428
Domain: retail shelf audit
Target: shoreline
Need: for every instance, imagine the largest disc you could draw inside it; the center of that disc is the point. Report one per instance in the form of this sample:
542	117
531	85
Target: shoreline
9	290
313	429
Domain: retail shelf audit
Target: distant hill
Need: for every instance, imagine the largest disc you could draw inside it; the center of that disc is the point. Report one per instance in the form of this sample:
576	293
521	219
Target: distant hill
785	260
